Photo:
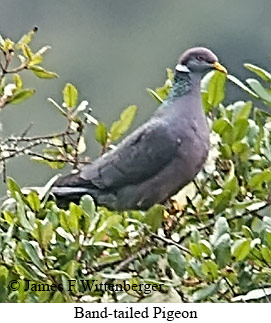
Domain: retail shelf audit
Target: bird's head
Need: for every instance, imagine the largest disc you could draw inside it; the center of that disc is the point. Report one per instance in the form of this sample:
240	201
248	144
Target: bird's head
199	60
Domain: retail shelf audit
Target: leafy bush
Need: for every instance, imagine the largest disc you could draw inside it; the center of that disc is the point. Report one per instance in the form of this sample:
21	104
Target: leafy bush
211	243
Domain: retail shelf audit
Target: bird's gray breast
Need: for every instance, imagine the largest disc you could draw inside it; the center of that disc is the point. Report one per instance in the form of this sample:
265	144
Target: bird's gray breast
194	146
192	139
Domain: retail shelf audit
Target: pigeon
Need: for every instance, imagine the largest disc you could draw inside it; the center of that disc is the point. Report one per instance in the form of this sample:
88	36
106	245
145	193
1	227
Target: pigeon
160	157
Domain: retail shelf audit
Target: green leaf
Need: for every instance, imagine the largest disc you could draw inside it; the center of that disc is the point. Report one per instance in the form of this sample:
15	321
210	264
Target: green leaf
222	250
7	45
176	260
230	190
75	213
194	268
9	217
220	228
65	223
33	200
70	95
29	272
101	134
71	267
154	95
13	187
206	105
216	88
17	81
107	260
195	236
241	249
21	214
42	73
254	135
161	93
257	180
88	206
232	185
170	74
204	293
259	89
247	232
210	269
205	247
260	116
36	59
52	164
240	128
266	254
195	249
26	39
21	95
106	225
154	217
54	272
164	90
267	221
242	110
151	260
43	233
221	201
3	283
253	295
242	85
263	74
205	81
268	238
226	152
241	148
34	253
119	127
224	128
27	51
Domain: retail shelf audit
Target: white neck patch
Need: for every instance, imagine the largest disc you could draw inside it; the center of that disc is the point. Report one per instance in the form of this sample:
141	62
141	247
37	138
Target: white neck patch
182	68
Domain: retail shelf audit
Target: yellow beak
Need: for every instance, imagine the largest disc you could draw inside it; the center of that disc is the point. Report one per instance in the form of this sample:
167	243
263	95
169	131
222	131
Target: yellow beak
220	67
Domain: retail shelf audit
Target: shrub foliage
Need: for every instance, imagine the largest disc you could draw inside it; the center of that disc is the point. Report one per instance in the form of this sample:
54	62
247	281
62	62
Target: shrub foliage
211	242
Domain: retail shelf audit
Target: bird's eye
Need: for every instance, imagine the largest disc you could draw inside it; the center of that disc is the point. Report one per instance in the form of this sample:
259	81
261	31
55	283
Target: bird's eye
200	58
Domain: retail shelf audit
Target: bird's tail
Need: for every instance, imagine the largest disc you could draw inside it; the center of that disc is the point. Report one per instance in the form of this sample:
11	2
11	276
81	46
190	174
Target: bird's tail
63	188
70	188
65	195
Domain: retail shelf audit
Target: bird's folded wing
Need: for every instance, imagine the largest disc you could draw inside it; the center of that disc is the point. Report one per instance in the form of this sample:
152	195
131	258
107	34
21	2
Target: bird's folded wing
139	157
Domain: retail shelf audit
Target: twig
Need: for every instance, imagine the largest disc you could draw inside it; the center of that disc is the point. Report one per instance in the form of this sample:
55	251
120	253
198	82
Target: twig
16	69
49	159
266	296
25	132
132	258
230	286
4	173
210	225
19	151
169	242
35	138
75	165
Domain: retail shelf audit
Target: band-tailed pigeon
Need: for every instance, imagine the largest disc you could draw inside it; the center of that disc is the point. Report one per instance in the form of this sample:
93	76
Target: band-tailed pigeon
160	157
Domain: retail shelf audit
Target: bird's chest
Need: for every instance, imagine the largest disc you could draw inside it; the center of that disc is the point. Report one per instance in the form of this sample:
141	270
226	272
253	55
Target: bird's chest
193	143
